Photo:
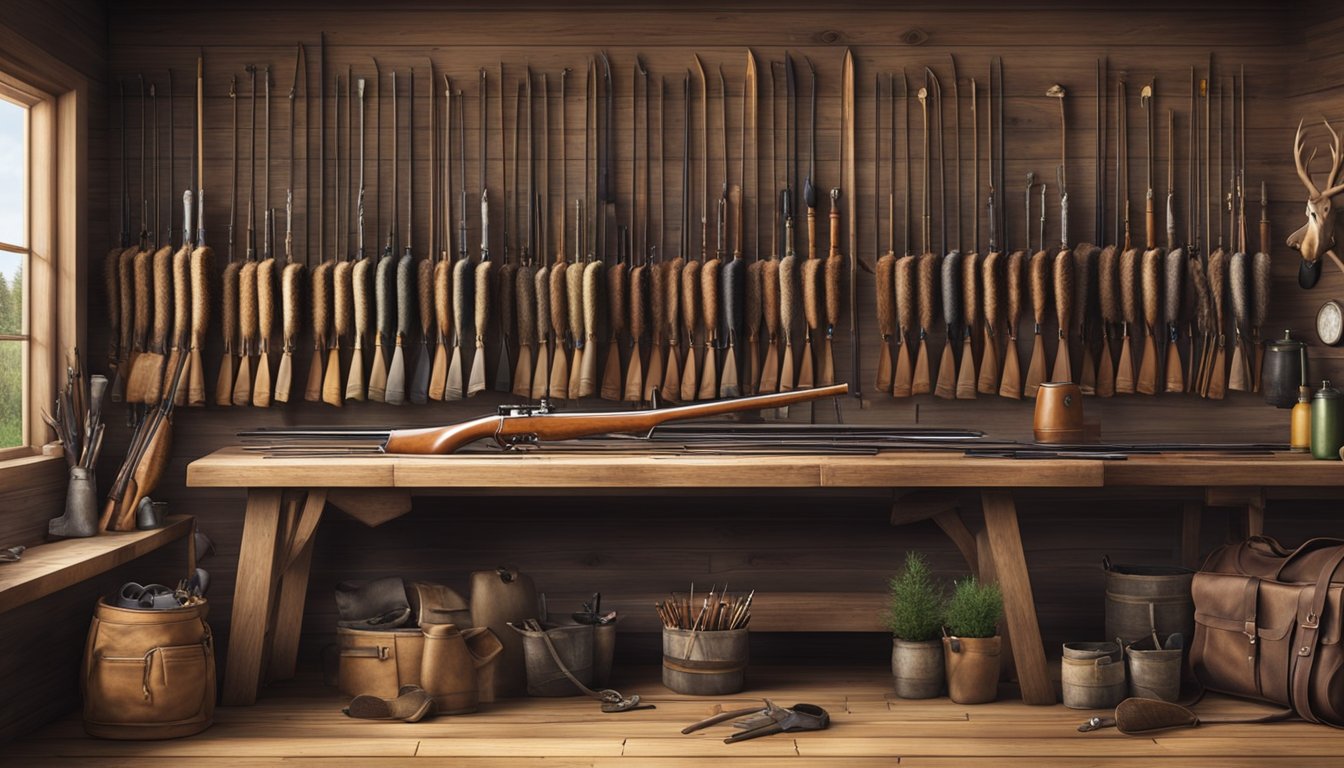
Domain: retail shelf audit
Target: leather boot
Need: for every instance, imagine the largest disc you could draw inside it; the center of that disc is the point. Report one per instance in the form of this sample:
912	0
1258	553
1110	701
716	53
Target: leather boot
447	672
486	650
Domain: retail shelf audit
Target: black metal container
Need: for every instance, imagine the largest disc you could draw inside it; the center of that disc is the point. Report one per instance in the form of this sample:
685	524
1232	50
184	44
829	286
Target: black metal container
1285	369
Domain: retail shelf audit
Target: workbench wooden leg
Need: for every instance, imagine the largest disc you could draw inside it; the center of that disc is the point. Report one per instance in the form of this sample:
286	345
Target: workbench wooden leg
1010	564
1255	516
252	596
294	567
1192	515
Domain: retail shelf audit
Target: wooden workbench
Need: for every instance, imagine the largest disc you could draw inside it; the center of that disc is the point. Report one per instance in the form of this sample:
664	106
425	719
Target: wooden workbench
286	497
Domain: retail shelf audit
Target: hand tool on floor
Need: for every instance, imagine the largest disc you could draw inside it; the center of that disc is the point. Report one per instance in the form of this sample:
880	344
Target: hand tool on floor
770	720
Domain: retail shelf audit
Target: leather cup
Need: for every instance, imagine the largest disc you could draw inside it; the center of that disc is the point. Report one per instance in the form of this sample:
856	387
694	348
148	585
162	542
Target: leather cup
1059	413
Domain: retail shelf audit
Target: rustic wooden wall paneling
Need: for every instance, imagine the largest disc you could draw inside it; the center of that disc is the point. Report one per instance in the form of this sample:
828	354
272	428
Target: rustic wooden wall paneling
602	540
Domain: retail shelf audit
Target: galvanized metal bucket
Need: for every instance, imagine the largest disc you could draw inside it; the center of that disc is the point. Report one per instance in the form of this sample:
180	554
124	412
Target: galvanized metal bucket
1141	599
1092	675
1155	673
705	663
573	644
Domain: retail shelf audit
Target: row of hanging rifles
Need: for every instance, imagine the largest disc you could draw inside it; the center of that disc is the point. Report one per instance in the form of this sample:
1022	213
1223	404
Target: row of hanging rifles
691	328
1102	296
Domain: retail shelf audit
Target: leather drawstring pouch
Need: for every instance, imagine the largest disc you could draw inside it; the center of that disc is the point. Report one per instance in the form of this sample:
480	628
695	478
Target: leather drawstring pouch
148	674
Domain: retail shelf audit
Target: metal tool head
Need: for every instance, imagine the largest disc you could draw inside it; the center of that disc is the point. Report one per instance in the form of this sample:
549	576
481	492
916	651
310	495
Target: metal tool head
1056	91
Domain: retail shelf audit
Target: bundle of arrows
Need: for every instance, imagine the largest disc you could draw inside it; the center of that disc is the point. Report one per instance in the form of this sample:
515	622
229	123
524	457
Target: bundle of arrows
715	611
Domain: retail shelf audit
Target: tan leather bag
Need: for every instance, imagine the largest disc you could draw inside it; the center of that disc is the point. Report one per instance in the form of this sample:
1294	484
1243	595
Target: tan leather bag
378	663
148	674
1268	625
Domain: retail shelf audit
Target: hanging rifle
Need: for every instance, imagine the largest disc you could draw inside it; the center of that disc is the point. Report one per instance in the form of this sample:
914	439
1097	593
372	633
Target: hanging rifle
658	269
904	271
788	266
1127	259
574	274
1038	286
1215	385
1152	256
1173	271
711	299
690	274
1260	285
1064	268
813	296
146	460
541	278
971	266
618	272
755	271
261	386
423	268
524	286
926	266
231	276
321	274
1086	309
639	280
885	270
141	269
502	281
951	264
385	272
342	273
1108	275
476	381
247	274
181	268
850	178
462	268
117	311
558	383
405	267
359	274
1011	384
443	268
1240	378
202	256
771	304
152	360
595	235
291	277
987	382
732	287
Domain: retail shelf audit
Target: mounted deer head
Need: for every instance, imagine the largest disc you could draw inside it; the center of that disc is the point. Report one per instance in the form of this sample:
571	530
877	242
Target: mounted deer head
1321	232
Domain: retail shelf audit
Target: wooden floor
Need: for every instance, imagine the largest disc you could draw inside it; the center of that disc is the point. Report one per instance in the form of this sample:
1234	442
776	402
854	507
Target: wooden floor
302	725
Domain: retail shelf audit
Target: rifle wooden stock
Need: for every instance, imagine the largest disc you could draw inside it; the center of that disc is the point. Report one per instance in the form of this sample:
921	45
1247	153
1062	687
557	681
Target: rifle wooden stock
567	426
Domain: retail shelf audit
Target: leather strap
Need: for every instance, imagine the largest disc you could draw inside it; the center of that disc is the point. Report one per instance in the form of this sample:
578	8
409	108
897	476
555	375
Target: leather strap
1309	639
612	700
1250	601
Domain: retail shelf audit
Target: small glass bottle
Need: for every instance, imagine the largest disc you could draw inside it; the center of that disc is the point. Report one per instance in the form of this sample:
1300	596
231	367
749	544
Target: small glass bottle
1300	430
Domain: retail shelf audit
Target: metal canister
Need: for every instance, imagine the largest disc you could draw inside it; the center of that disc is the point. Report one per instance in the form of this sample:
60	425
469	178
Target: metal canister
1285	369
1327	423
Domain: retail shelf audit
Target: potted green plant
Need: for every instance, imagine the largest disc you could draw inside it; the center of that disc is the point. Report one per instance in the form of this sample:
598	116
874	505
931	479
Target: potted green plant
915	617
971	641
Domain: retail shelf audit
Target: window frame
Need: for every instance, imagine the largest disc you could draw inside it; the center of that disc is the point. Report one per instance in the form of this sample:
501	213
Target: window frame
25	447
57	157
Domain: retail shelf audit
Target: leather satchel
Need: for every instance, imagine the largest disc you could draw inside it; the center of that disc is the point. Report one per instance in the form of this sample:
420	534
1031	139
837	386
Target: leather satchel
1268	625
148	674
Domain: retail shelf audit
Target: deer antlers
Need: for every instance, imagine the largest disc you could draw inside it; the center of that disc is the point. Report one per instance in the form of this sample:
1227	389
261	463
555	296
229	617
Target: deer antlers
1336	160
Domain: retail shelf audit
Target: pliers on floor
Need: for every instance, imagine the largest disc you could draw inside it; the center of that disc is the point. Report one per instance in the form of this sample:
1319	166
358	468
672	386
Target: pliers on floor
770	720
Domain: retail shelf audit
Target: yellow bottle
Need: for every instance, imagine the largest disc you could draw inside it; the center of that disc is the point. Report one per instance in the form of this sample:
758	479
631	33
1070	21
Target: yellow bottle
1300	432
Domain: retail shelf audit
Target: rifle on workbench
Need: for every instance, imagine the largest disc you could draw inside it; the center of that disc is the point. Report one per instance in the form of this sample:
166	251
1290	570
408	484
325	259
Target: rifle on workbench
526	425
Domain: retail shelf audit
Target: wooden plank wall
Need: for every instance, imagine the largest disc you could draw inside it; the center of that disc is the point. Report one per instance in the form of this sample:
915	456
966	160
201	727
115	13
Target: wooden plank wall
579	546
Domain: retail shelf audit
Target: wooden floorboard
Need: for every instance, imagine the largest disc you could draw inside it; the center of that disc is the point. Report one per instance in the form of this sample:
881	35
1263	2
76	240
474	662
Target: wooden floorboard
300	724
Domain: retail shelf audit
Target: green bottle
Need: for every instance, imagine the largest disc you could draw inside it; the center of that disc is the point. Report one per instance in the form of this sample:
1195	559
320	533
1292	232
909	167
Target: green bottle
1327	423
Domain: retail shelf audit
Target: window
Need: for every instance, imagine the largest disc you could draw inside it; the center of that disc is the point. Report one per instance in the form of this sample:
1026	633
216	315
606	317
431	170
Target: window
14	268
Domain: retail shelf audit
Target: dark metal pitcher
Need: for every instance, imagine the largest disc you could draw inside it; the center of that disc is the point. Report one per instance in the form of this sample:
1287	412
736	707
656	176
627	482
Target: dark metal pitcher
1285	369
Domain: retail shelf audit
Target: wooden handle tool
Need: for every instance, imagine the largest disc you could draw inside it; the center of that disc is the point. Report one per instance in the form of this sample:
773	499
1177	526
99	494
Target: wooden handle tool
1038	284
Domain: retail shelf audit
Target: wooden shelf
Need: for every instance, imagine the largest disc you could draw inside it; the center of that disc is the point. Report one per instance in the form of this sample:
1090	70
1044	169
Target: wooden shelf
48	568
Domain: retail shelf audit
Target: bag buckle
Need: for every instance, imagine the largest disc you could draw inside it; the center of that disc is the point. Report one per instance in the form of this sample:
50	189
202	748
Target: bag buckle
1249	630
1312	621
382	652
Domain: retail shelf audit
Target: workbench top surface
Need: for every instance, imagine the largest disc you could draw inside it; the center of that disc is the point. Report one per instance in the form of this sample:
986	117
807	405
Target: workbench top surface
237	467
